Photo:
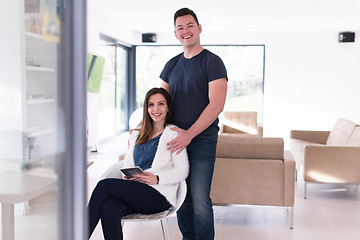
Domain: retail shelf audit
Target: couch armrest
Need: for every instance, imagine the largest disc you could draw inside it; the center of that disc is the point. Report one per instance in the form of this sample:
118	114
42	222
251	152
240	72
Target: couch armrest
289	184
221	126
260	131
311	136
332	164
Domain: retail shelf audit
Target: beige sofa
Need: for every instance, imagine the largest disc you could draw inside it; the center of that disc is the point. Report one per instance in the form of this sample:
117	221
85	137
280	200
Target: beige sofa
240	122
328	156
253	171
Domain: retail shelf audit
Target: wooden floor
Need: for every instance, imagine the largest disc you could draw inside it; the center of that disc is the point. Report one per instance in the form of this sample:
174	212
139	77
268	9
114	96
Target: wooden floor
330	212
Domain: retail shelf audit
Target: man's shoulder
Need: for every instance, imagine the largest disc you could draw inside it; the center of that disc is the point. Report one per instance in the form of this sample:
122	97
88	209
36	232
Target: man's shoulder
172	62
210	55
175	59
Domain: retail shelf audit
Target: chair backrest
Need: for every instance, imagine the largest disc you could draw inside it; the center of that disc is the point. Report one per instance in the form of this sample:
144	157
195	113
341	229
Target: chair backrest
135	118
341	132
354	139
113	171
181	194
240	122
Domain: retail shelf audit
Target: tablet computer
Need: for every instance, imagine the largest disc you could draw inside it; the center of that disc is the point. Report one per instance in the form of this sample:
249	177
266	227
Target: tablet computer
129	172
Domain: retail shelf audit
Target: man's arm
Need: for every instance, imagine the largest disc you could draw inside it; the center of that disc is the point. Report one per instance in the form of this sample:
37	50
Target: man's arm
217	96
165	86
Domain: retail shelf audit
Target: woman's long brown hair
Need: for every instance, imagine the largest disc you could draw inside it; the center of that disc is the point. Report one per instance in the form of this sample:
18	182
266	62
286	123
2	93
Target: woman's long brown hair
147	126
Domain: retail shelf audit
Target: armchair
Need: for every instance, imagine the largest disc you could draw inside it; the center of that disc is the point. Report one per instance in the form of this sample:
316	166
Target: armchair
253	171
328	156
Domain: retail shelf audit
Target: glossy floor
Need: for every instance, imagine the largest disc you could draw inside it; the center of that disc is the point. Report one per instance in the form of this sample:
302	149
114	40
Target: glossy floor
330	212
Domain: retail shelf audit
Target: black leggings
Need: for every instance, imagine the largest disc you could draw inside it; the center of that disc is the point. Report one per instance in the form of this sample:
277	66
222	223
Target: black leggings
113	199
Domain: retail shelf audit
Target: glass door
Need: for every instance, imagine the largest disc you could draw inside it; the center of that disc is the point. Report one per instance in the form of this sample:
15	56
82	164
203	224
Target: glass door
43	120
112	93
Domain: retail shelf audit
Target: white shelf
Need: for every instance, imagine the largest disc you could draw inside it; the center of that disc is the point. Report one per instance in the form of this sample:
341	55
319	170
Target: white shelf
39	101
40	132
35	159
33	35
39	93
39	69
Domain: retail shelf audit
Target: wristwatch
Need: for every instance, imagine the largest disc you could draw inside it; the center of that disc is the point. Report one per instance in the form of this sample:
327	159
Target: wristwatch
157	178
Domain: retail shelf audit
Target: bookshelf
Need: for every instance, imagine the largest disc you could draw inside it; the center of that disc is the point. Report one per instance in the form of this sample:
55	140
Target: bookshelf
39	84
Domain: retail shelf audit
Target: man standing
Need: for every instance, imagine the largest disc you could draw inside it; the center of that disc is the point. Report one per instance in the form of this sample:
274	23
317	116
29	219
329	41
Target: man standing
197	82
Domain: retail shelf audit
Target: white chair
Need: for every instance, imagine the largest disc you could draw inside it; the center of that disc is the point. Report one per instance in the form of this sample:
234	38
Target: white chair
114	172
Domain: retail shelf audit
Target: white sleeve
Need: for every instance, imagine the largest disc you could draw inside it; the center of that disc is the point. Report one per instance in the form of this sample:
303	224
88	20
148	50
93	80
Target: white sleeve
179	171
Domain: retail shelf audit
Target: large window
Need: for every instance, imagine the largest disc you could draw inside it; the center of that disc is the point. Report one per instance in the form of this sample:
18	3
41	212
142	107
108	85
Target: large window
111	115
245	66
149	64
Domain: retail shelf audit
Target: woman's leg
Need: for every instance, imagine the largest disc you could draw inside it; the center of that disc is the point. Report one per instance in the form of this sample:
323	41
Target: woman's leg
130	197
112	211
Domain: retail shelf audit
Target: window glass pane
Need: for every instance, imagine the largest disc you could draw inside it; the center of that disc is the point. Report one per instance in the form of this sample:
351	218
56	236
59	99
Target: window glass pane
121	89
244	65
111	113
106	114
149	64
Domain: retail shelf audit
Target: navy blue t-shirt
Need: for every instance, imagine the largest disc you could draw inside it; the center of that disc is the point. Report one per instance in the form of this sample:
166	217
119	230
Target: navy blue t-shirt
189	86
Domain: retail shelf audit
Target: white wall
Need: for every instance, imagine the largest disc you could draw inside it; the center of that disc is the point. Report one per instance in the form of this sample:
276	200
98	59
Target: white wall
311	79
11	82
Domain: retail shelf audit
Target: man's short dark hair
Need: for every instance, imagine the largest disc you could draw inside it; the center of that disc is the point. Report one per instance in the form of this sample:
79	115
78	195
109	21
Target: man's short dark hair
184	12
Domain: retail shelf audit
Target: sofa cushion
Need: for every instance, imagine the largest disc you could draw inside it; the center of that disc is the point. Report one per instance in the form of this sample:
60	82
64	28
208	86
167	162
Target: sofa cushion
235	146
341	132
297	148
240	122
354	140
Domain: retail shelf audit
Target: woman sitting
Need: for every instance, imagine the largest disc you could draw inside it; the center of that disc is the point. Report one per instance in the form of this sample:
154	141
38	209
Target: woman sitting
153	191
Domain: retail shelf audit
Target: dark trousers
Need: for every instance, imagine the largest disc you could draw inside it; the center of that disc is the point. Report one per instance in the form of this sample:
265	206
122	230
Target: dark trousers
113	199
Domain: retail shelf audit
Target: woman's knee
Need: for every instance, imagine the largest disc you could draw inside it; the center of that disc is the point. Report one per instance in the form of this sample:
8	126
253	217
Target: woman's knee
111	208
105	184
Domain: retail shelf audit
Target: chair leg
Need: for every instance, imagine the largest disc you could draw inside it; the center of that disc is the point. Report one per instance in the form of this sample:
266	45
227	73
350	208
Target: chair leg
291	217
162	228
305	184
168	228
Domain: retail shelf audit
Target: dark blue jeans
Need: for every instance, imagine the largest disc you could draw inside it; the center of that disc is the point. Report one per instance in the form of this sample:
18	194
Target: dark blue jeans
113	199
196	217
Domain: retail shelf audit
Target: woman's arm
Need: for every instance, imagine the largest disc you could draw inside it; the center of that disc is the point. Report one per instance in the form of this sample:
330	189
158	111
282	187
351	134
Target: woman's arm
169	167
178	172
